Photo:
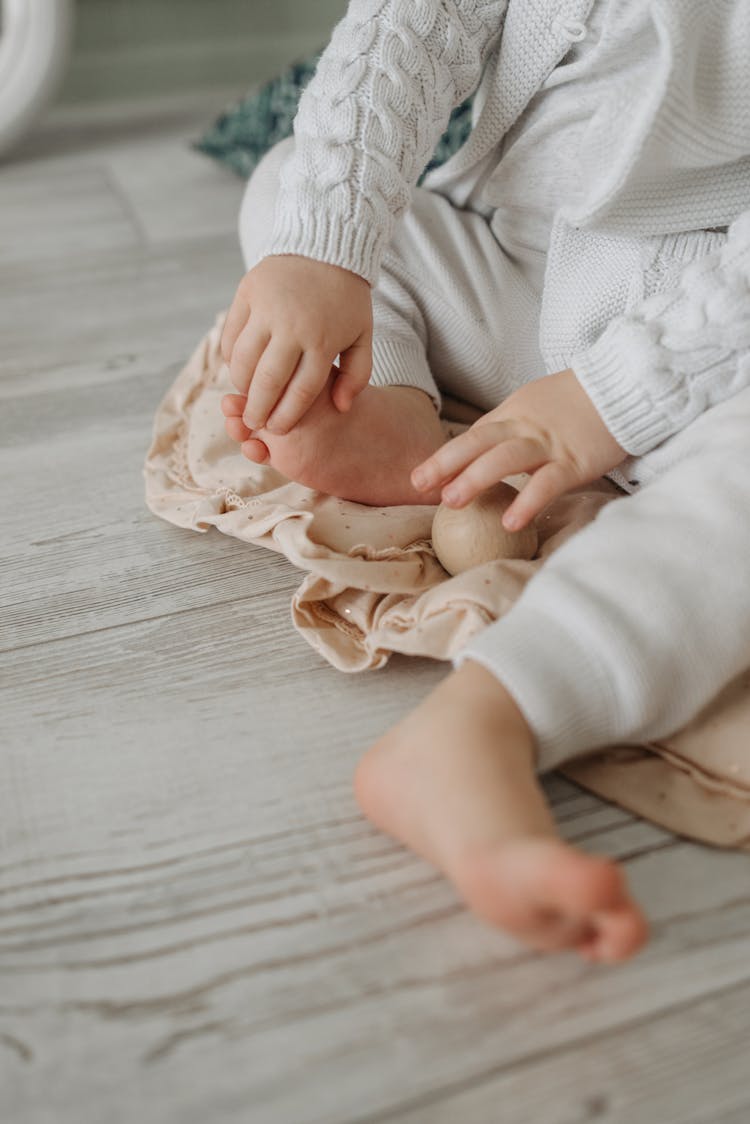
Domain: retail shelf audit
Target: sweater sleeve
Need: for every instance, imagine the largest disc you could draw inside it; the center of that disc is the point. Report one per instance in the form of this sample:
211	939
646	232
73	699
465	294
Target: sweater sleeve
678	352
368	122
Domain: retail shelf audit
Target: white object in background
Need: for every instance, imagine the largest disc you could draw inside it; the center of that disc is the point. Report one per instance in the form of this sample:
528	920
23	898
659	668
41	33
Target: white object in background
34	44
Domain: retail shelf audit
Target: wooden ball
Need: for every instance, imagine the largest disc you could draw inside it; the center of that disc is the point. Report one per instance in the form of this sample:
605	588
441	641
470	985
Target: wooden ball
463	537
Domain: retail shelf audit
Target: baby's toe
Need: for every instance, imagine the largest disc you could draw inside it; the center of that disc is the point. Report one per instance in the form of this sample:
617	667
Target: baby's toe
236	429
617	935
255	450
233	405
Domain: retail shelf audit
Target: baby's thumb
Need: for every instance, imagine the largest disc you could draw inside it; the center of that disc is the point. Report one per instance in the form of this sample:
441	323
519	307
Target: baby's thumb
355	368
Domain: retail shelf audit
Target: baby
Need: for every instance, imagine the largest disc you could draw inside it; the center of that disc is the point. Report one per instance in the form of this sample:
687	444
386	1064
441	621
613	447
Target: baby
580	271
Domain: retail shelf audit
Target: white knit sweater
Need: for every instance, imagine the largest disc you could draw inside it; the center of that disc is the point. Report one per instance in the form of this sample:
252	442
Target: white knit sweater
666	152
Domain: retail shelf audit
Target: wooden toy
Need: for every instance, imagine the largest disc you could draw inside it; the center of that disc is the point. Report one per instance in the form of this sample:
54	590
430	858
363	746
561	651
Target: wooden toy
463	537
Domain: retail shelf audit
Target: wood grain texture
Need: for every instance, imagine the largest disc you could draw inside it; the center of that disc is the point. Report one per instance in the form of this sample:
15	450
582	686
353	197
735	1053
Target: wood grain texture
196	923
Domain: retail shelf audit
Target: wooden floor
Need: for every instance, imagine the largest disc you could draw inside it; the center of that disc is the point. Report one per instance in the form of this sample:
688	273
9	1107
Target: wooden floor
196	924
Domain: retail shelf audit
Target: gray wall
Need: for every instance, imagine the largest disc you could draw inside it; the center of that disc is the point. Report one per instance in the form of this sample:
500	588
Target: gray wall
138	48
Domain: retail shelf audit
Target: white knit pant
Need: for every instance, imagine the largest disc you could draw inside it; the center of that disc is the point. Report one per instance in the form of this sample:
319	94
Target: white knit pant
641	618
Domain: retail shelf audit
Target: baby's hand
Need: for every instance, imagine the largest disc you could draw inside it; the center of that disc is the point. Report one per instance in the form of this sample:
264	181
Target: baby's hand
549	428
290	318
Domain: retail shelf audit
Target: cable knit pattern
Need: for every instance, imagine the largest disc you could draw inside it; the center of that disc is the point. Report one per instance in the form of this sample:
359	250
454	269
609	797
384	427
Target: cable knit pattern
369	121
655	369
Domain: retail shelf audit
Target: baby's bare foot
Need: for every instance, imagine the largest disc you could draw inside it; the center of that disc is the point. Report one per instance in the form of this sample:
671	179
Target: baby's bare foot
455	781
365	455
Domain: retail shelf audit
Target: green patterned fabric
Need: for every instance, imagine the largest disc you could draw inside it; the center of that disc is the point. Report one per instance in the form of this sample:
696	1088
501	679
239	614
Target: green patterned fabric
246	130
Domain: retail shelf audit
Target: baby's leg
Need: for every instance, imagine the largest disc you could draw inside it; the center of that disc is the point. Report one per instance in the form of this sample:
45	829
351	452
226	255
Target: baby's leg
365	455
641	618
456	781
623	636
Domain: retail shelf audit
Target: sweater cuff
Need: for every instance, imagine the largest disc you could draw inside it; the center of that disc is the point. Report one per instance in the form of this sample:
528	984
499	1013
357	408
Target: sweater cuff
610	374
554	679
396	362
311	233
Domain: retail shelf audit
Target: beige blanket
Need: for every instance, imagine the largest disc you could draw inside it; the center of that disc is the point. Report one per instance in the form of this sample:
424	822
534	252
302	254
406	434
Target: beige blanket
372	586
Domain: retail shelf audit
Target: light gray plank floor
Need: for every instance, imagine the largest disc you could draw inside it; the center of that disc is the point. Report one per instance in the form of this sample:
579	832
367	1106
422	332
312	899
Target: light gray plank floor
196	924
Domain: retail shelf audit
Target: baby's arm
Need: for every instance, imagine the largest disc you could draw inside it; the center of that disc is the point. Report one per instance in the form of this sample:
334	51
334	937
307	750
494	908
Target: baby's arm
677	353
651	372
370	118
367	125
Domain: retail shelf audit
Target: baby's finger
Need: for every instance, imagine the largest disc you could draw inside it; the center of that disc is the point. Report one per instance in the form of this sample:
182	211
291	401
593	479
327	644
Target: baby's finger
455	455
236	319
301	391
237	429
355	368
251	344
547	484
233	405
505	459
273	371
